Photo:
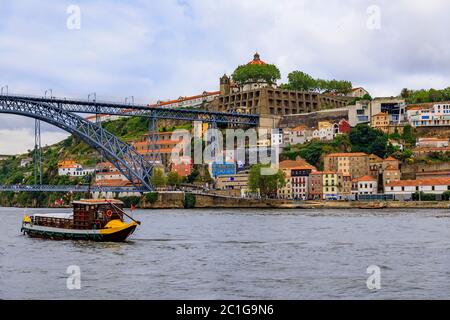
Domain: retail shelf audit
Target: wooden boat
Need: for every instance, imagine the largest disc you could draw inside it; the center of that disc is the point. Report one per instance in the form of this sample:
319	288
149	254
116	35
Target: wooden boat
96	220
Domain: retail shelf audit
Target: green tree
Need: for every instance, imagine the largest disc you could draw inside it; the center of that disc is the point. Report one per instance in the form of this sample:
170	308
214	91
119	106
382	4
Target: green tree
173	179
298	80
151	197
409	135
267	184
193	176
254	73
301	81
366	139
158	179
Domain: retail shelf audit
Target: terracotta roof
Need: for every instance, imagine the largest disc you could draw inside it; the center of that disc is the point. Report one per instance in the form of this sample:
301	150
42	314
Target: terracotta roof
390	168
329	172
97	201
390	159
287	164
433	139
139	143
183	99
304	167
256	60
421	182
431	149
366	178
164	150
112	173
299	128
352	154
381	114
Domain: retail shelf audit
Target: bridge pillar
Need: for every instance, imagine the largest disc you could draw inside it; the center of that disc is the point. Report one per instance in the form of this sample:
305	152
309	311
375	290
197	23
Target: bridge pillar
153	147
37	153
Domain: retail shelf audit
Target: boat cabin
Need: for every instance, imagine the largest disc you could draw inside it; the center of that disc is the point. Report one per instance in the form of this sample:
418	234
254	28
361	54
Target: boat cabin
87	214
95	214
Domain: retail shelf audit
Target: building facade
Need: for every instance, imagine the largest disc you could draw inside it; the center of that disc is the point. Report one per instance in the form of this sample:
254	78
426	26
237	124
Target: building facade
437	115
355	164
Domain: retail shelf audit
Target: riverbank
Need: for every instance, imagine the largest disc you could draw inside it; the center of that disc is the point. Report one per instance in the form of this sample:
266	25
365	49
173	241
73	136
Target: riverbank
205	201
178	200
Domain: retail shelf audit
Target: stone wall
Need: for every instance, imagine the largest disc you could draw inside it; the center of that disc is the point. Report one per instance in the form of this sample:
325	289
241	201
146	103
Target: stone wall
409	171
311	119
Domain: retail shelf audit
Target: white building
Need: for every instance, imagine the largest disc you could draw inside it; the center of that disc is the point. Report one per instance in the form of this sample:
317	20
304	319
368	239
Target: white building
72	169
277	137
187	102
406	188
297	135
434	116
363	110
358	92
25	162
326	131
432	143
365	185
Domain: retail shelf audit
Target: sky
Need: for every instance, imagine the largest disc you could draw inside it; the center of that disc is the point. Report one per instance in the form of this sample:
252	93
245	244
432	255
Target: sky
158	50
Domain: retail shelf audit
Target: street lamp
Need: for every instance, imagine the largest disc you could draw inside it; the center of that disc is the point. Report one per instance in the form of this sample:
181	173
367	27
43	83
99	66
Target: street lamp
50	91
4	87
132	100
94	95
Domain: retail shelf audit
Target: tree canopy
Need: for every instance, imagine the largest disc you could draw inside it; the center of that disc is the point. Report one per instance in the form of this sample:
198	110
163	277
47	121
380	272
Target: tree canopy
158	179
366	139
266	184
254	73
298	80
425	96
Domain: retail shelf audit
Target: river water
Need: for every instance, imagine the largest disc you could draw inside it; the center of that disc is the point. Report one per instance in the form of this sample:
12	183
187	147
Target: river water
238	254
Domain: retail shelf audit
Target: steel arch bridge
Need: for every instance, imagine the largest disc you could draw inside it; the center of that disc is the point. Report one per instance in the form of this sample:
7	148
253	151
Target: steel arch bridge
127	110
124	157
61	112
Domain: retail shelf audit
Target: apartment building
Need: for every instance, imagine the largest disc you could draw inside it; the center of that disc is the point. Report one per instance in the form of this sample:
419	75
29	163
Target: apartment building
365	185
435	115
73	169
404	189
355	164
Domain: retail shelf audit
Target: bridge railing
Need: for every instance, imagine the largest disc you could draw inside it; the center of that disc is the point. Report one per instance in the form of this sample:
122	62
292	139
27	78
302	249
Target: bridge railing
67	188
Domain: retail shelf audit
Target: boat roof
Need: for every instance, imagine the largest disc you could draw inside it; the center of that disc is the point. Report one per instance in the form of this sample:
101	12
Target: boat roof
97	201
54	215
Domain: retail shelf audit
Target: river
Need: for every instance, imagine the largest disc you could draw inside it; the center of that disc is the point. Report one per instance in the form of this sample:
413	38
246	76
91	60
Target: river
238	254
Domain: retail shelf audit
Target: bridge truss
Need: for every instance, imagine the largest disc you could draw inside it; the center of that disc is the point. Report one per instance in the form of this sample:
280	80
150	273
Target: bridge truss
124	157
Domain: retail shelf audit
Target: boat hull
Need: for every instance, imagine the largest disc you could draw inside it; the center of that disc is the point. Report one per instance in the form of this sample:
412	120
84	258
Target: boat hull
102	235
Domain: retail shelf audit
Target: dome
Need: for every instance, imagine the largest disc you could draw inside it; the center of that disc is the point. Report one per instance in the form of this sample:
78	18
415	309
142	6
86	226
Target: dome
256	60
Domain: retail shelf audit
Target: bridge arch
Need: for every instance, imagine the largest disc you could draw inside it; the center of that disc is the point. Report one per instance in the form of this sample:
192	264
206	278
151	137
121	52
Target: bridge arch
123	156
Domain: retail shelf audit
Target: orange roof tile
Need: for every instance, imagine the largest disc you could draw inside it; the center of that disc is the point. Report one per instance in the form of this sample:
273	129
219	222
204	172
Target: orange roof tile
421	182
287	164
366	178
183	99
256	60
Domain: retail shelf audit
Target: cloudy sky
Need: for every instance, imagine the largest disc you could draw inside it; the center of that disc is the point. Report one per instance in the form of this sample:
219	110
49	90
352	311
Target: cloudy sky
165	49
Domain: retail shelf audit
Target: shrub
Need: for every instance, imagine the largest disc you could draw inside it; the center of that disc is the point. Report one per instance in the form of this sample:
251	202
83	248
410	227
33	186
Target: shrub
151	197
132	200
189	201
